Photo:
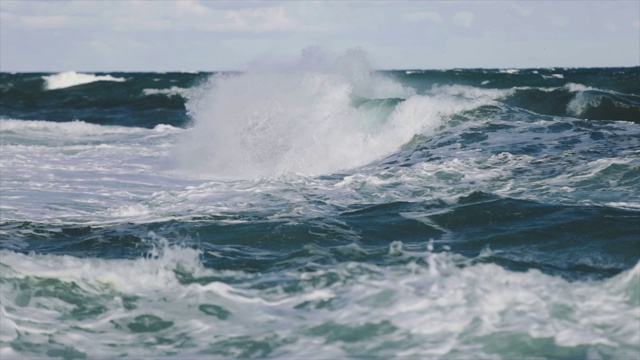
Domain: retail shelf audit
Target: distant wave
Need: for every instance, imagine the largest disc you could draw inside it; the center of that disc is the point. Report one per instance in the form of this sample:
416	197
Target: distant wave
174	90
71	78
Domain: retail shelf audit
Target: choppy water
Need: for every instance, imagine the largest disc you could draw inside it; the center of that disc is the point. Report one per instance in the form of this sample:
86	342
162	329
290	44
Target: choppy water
329	212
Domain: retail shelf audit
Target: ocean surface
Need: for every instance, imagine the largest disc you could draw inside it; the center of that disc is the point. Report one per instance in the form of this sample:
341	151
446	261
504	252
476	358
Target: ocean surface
328	212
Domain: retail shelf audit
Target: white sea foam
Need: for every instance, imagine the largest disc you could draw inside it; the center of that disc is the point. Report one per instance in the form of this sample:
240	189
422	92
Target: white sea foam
166	128
471	92
67	129
131	211
439	305
174	90
581	102
113	173
72	78
100	167
573	87
553	76
589	171
624	205
585	97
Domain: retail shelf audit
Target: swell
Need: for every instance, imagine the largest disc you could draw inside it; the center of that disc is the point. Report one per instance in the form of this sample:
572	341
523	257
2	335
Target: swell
587	103
620	80
521	234
594	94
149	99
141	100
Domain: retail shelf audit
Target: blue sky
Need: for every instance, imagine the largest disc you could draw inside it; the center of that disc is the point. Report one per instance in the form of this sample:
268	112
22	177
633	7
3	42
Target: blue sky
164	35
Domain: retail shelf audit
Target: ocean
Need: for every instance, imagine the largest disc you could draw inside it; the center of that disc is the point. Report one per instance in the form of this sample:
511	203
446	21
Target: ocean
321	212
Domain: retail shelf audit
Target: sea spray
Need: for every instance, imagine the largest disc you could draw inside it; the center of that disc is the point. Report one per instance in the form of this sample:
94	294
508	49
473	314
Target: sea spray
268	121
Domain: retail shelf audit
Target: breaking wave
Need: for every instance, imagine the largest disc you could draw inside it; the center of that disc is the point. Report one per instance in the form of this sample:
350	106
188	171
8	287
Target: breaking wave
71	78
309	121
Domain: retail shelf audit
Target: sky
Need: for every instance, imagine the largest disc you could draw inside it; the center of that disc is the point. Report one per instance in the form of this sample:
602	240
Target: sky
192	35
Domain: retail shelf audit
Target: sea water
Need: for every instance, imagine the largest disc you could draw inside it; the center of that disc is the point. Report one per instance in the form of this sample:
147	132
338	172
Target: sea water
321	210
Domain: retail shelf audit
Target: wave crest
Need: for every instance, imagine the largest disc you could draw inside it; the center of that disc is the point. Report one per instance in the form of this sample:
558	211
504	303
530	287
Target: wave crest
261	123
71	78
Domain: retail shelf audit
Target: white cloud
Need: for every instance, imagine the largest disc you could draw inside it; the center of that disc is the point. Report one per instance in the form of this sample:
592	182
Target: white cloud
45	22
463	18
12	4
148	16
255	20
557	20
191	7
524	11
131	23
228	34
423	16
184	15
610	27
6	17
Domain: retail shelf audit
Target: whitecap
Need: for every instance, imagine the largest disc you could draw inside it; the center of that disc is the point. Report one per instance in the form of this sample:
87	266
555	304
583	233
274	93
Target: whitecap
71	78
174	90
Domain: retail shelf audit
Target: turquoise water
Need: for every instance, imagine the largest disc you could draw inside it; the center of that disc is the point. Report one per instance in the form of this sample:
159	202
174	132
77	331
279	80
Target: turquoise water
334	212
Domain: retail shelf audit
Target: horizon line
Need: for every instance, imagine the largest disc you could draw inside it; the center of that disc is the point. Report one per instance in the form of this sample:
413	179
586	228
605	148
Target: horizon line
381	69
